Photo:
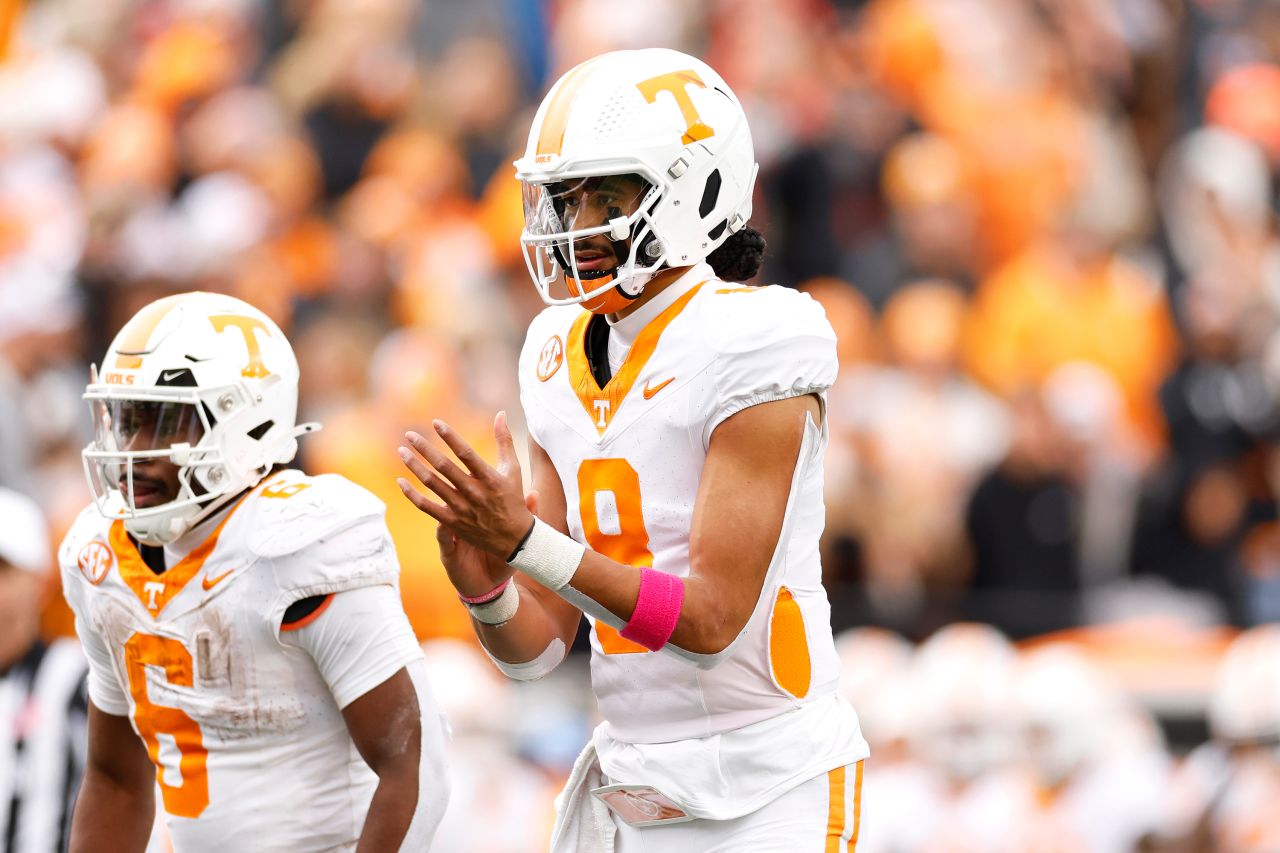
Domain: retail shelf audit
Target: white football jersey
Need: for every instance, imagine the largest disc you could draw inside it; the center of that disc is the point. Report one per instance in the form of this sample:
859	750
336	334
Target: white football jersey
629	457
1109	806
973	818
890	798
250	746
1239	796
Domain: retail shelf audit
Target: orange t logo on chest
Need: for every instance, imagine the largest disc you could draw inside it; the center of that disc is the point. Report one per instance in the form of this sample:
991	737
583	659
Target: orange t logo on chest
255	369
602	413
153	588
677	83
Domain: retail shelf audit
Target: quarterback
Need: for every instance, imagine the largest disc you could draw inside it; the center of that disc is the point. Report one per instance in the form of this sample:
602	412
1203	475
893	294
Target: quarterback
248	652
677	431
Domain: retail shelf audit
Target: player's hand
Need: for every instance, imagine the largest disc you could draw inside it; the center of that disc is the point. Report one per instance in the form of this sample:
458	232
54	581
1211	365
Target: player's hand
482	505
471	571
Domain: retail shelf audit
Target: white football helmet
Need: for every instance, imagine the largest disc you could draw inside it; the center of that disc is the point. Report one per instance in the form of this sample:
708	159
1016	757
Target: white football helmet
1064	705
874	664
200	380
1244	708
962	683
647	148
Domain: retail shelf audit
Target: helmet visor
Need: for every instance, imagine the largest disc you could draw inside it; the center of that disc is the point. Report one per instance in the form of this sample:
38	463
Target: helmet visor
562	207
127	433
591	229
135	426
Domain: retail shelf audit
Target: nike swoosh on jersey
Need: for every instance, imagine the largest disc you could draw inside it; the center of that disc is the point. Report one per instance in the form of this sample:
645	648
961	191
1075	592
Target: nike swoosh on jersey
650	391
210	583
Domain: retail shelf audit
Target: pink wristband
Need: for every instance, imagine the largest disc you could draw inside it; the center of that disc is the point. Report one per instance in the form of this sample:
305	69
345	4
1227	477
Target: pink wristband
657	609
488	596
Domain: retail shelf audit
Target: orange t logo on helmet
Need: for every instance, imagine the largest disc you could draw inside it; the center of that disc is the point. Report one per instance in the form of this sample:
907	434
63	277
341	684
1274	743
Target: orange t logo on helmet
677	83
255	369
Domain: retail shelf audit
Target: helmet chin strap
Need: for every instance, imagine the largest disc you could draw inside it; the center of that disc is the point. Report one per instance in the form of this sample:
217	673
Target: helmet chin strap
623	292
162	530
610	302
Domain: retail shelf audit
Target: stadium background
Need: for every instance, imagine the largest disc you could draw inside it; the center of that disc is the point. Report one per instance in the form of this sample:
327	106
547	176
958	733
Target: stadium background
1045	231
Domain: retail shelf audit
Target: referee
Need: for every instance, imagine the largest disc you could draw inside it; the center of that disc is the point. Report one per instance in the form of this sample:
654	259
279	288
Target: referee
42	694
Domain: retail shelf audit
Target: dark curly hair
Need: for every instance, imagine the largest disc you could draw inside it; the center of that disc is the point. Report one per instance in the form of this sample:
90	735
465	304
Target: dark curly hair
739	257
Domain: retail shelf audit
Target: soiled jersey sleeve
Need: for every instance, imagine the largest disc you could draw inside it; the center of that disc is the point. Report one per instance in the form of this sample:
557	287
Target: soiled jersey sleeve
359	640
104	687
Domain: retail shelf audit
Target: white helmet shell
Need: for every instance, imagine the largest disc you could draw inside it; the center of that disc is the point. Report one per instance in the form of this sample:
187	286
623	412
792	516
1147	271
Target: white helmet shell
1065	706
234	368
874	664
660	114
962	678
1244	707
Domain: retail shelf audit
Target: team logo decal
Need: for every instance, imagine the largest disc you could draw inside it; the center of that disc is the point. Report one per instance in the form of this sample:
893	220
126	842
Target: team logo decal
551	358
247	327
95	561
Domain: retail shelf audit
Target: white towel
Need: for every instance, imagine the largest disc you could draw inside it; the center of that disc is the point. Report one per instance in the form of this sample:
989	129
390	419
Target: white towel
583	823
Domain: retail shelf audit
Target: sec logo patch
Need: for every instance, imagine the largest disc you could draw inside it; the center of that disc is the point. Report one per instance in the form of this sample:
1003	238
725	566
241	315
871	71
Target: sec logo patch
551	358
95	561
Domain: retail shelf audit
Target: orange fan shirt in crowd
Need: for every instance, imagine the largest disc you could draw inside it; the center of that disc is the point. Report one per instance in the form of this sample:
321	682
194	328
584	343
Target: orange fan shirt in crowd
901	47
1023	157
188	60
1019	134
415	382
1246	100
1042	310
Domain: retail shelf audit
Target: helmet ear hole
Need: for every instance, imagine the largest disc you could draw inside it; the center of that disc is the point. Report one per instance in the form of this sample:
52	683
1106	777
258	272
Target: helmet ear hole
651	248
710	194
260	430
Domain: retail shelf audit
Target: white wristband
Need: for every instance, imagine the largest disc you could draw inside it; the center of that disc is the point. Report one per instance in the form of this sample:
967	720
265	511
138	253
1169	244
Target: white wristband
548	556
498	611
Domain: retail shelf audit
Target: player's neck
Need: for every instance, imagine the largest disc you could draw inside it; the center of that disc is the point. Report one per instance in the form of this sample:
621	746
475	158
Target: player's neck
656	285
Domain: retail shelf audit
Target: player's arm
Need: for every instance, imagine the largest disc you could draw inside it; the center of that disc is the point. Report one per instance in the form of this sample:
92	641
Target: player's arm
116	807
743	491
367	654
386	727
737	518
742	498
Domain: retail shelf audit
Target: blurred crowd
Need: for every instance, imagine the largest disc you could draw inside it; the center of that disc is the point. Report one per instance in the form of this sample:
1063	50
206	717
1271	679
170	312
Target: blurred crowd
1044	230
978	746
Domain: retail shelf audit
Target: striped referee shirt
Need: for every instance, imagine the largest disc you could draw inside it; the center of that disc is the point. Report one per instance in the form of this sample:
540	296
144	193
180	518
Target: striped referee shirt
43	742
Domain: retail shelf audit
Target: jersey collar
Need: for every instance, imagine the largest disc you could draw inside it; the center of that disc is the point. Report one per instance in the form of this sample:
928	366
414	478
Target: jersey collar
602	404
625	330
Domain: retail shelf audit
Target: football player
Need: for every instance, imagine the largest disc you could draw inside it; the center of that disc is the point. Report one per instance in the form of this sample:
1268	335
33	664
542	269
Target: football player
677	429
1223	795
1093	767
960	682
248	651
